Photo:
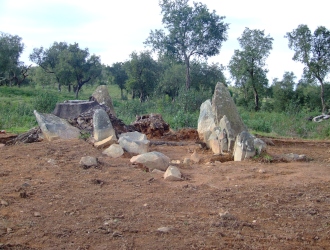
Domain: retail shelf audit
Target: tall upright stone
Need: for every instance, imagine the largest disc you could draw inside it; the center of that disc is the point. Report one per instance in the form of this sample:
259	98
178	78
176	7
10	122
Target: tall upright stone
223	104
102	126
205	120
102	96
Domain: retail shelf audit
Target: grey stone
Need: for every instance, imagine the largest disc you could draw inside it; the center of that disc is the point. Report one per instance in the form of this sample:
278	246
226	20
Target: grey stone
244	146
260	146
294	157
114	151
73	108
226	136
223	104
172	174
134	142
102	126
102	96
152	160
53	127
88	161
205	120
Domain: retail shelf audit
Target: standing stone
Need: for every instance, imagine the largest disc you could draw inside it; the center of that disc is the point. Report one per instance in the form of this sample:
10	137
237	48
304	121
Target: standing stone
101	95
226	136
102	126
223	104
205	121
244	146
53	127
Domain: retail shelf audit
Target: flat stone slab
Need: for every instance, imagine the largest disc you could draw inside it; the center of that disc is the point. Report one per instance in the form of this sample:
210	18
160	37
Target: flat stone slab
73	108
53	127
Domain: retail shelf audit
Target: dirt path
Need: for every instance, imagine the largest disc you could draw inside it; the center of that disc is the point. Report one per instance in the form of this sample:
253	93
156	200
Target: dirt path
50	202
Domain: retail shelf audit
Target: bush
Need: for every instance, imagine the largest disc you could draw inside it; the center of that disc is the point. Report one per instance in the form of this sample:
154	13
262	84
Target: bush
45	102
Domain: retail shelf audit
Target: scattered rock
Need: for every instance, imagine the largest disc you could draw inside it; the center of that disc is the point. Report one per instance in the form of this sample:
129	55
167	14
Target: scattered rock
114	151
172	174
164	229
157	171
106	142
4	203
294	157
260	146
134	142
195	157
186	161
88	161
36	214
102	126
53	127
152	160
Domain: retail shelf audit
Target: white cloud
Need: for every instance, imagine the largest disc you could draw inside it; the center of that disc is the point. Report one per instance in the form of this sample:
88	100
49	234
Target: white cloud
114	29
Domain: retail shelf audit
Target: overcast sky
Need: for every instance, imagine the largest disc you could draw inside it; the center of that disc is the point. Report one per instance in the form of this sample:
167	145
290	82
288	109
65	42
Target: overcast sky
113	29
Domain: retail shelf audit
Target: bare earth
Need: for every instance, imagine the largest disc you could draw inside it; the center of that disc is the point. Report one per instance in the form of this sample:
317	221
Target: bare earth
50	202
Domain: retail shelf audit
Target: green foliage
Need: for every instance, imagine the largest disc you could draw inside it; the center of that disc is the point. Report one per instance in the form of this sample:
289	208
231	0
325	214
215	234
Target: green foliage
193	31
313	50
247	66
45	101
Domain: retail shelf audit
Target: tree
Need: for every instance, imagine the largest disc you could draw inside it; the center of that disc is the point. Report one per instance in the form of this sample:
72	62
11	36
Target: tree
283	91
68	63
193	31
313	50
247	66
142	73
117	70
12	71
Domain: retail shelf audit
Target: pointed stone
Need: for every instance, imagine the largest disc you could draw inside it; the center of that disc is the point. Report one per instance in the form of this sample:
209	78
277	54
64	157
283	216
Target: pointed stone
102	126
244	147
223	104
102	96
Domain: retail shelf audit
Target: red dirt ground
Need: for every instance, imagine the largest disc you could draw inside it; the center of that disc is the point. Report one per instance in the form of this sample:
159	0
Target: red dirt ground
50	202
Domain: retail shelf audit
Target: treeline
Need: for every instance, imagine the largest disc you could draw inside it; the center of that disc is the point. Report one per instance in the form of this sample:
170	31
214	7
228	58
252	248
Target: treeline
176	64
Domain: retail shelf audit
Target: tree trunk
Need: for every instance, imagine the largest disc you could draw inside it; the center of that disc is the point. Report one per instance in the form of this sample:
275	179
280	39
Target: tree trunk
324	107
256	99
186	59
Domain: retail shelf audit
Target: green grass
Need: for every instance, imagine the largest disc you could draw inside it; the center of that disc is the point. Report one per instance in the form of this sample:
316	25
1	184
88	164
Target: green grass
17	105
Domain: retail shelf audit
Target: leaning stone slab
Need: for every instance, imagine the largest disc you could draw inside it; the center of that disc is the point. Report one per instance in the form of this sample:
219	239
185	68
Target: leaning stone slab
244	146
114	151
101	95
205	120
102	126
134	142
223	104
152	160
172	174
53	127
105	143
